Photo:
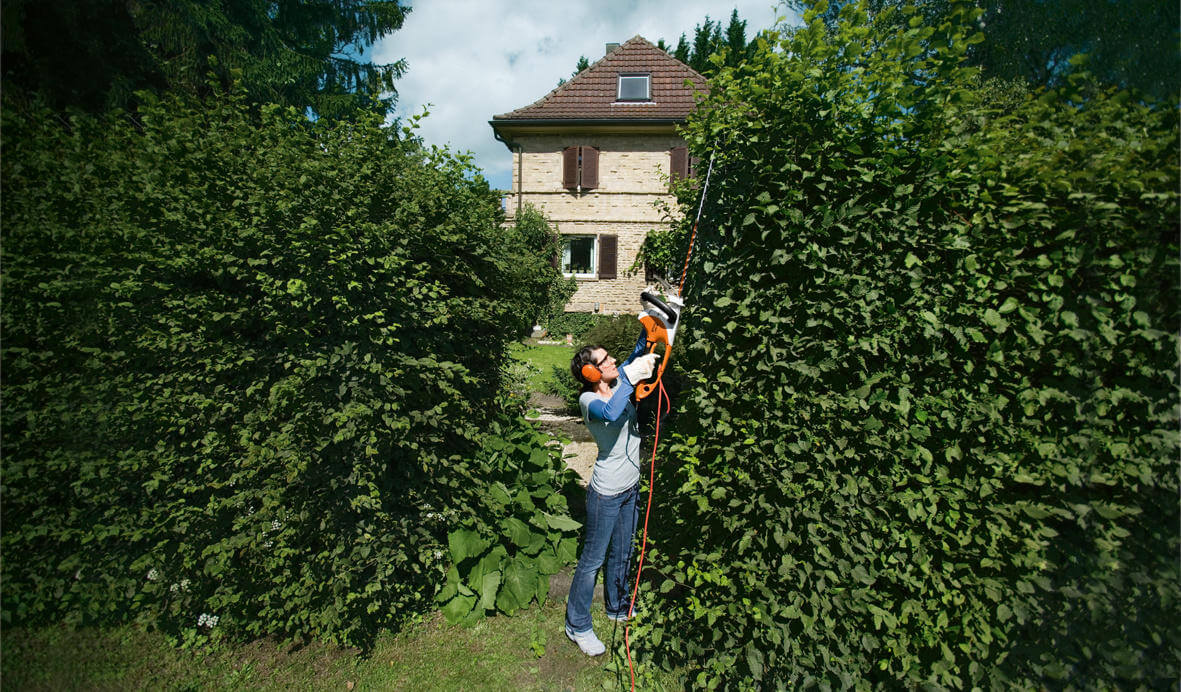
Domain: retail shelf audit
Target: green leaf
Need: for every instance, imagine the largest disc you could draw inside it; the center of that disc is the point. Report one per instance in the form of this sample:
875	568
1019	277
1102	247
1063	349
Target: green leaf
568	550
498	493
517	531
549	563
520	582
450	586
1009	305
488	590
993	319
465	543
561	523
459	607
754	659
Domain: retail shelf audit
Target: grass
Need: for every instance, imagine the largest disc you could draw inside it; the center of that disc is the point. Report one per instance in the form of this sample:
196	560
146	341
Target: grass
543	358
528	651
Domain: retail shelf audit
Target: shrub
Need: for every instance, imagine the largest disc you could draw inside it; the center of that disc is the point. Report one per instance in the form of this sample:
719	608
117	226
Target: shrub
616	333
562	384
533	234
930	437
574	323
250	371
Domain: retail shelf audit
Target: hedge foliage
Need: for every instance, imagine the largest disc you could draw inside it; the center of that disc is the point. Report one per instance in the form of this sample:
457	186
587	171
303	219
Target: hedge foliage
930	435
251	371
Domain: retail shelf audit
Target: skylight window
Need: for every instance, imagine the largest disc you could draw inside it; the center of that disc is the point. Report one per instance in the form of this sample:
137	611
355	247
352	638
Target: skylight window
635	87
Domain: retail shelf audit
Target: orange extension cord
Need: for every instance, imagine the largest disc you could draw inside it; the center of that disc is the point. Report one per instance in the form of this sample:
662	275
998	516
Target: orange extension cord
661	398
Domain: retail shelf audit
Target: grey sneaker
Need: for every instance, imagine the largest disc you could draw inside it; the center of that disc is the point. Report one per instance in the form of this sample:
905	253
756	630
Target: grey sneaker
587	641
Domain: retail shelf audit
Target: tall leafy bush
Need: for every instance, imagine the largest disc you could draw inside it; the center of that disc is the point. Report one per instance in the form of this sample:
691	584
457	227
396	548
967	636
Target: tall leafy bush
931	431
251	370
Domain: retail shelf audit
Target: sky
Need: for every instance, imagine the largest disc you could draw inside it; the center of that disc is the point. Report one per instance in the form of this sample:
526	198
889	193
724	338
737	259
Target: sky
472	59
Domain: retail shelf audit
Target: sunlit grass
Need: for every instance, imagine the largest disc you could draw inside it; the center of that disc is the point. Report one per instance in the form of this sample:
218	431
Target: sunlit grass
528	651
544	358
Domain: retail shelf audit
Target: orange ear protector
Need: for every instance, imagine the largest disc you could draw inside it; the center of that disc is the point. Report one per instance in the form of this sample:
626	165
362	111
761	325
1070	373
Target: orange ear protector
591	374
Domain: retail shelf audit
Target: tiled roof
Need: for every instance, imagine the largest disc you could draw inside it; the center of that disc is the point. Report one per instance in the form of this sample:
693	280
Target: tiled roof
591	94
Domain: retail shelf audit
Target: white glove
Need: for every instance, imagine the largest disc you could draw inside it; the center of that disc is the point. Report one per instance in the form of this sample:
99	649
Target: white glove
640	369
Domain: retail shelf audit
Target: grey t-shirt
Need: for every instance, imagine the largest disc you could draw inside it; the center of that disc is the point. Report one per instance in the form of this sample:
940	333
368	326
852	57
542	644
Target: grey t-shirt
617	466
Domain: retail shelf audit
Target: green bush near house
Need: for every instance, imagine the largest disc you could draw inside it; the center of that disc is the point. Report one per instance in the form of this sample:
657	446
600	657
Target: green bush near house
574	323
534	237
251	376
616	333
930	436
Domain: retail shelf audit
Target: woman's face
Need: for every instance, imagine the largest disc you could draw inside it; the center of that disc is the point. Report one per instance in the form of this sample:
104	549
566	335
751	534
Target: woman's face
605	364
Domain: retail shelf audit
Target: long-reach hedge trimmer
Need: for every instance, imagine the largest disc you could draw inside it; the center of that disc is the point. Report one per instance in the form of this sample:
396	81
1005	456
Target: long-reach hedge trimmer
661	317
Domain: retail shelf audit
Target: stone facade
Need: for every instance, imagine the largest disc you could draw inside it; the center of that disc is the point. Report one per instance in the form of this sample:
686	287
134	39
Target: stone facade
631	200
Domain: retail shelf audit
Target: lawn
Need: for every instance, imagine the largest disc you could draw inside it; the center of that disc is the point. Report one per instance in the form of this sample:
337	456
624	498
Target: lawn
528	651
542	357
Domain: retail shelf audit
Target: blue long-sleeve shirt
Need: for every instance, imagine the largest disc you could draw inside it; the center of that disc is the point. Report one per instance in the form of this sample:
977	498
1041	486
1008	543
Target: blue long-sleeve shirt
613	425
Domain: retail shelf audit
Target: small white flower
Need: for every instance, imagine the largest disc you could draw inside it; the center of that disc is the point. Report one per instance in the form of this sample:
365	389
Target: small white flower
153	575
174	588
276	525
184	584
438	554
207	620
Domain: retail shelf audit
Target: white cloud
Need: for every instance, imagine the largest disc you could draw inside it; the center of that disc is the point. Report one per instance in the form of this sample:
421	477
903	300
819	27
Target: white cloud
472	59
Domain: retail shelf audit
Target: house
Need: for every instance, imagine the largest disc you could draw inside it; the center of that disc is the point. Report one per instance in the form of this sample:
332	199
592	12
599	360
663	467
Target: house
596	156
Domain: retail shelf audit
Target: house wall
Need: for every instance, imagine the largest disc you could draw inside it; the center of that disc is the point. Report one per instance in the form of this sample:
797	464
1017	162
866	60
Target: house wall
631	200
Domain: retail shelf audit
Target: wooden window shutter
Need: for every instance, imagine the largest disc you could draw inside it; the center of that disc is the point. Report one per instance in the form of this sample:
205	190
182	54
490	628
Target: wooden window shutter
608	252
679	163
590	168
570	168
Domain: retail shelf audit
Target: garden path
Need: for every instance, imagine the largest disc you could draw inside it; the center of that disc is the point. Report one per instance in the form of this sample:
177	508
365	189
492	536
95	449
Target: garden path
580	452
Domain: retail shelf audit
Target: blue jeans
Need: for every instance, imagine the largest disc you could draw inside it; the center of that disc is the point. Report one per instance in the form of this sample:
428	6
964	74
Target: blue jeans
610	522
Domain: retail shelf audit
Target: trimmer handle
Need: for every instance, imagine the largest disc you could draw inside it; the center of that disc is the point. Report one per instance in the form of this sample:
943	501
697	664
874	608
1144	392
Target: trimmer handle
662	306
645	388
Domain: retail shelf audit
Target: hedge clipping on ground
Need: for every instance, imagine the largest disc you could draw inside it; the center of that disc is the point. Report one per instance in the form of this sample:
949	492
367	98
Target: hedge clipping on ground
930	435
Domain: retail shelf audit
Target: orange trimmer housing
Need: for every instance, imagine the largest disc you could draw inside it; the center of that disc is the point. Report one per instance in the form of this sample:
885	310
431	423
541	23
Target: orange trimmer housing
659	322
657	334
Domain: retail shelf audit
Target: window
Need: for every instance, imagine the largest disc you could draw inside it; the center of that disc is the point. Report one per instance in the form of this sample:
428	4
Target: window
635	87
580	168
578	256
681	165
589	256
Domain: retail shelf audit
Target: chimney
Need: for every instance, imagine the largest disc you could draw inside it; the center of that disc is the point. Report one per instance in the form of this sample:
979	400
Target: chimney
611	47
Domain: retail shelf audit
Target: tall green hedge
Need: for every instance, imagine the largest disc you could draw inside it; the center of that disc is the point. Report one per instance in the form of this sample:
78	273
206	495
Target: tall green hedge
930	436
251	370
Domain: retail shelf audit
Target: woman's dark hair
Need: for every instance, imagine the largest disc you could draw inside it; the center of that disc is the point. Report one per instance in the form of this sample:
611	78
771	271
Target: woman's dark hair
583	357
